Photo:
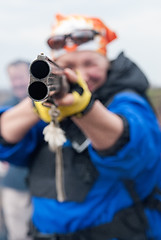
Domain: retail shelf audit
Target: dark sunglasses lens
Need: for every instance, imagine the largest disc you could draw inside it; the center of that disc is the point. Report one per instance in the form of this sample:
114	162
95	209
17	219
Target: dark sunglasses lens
80	37
56	42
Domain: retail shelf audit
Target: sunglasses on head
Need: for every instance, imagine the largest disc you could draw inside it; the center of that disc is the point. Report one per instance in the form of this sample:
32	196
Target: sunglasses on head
78	37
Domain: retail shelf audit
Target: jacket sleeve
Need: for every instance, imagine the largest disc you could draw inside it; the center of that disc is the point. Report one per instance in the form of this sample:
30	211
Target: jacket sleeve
19	154
142	151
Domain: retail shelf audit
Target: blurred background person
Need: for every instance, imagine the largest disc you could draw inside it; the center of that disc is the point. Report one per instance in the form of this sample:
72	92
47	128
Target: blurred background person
15	197
3	233
18	73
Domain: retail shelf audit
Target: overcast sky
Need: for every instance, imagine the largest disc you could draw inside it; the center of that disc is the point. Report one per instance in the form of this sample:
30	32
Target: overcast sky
25	25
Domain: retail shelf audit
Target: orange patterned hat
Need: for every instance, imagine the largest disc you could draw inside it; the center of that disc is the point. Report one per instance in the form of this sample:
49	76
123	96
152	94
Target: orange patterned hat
67	24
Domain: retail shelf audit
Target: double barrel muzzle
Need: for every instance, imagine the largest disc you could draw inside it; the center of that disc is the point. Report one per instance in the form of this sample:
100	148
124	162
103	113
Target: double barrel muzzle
46	77
39	71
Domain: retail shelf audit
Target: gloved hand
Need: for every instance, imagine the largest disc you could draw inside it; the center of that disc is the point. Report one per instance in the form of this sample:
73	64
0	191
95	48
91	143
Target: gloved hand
81	102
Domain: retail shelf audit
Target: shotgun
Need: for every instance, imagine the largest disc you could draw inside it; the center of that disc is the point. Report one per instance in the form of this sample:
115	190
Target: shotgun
47	79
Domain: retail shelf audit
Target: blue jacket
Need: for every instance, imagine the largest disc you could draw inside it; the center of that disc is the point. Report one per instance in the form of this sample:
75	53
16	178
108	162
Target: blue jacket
138	160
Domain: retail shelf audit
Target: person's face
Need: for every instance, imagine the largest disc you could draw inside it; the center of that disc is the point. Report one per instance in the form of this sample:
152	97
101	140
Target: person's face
92	66
19	79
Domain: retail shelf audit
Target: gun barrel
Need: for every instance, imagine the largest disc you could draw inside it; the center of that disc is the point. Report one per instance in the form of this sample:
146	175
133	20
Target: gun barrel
40	69
37	89
46	76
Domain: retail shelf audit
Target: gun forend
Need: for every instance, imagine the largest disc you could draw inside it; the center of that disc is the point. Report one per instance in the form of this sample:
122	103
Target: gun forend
46	77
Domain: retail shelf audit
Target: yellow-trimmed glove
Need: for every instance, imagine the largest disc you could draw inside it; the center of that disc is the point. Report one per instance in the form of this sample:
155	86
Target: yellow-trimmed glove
83	102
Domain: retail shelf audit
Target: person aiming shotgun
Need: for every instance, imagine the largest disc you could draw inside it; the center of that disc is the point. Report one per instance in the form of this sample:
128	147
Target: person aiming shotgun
104	181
